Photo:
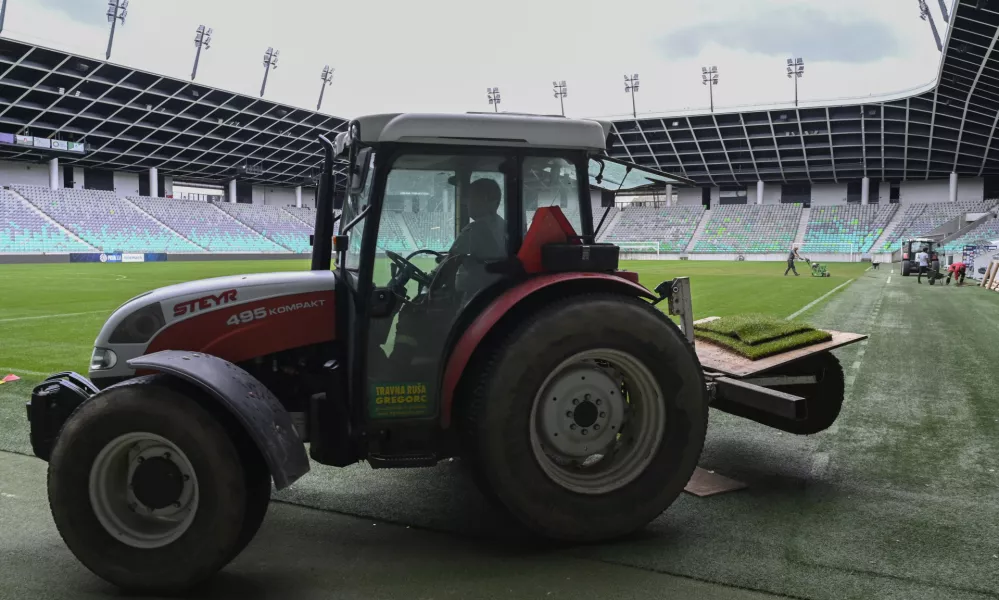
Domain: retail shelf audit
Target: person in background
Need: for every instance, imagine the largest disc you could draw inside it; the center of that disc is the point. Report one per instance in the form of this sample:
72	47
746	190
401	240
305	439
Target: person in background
957	270
923	260
790	261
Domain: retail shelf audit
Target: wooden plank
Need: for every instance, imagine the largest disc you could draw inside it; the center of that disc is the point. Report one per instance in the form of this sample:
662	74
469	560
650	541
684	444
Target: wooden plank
716	358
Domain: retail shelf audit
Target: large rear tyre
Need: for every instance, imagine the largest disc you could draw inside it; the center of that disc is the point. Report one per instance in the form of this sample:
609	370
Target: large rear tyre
149	491
587	420
906	268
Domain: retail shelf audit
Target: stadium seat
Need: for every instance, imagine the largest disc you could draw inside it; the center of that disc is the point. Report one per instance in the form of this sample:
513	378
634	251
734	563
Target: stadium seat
22	230
205	224
273	223
750	228
920	219
670	228
105	221
850	228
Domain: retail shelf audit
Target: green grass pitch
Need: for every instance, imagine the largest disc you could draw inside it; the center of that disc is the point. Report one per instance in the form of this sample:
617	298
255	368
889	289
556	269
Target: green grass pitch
899	499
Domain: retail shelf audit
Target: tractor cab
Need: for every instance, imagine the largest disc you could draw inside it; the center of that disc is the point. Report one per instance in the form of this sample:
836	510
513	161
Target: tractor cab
913	246
442	215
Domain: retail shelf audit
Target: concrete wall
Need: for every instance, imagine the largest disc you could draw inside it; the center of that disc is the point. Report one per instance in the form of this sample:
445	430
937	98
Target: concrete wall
771	193
938	190
278	196
24	174
688	197
126	184
824	194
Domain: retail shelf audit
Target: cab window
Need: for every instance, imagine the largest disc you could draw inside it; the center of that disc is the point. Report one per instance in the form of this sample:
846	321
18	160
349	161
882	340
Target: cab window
551	181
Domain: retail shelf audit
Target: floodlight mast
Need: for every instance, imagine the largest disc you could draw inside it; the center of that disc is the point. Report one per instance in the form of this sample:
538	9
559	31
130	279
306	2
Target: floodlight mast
270	62
202	39
117	11
709	77
493	94
561	91
631	85
924	14
327	77
795	71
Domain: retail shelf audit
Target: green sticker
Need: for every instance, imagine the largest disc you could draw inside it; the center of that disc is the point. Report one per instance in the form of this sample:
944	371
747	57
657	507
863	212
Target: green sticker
394	400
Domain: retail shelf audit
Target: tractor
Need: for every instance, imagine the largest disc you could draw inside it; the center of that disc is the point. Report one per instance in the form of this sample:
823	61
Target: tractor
496	331
913	246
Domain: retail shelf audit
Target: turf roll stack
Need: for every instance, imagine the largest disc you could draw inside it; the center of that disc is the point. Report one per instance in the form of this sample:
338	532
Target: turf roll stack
758	336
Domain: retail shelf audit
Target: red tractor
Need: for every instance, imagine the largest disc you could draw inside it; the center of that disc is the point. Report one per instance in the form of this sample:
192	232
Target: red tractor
483	322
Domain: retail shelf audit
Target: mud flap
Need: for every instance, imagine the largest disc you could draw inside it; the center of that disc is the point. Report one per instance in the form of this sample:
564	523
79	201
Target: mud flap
254	406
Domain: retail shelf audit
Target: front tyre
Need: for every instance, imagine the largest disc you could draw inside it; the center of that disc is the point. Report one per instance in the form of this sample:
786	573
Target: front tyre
148	490
588	420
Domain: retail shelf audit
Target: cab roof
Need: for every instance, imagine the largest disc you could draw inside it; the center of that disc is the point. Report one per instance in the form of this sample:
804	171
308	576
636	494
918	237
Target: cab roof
503	129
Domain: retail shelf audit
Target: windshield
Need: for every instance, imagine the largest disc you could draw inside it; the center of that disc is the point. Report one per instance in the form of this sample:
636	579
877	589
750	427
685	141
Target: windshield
352	207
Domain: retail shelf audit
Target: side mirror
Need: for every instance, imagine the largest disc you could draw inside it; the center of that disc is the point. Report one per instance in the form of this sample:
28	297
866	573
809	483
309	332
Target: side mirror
359	174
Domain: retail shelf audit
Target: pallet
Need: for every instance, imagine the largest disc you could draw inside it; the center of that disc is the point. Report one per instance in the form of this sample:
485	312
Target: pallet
722	360
991	279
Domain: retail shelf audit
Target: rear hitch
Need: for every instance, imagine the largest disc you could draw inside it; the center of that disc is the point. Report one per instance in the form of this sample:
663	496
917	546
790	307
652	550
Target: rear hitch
677	292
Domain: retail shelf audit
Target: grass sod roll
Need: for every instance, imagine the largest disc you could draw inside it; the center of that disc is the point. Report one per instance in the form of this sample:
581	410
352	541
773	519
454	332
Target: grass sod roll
759	336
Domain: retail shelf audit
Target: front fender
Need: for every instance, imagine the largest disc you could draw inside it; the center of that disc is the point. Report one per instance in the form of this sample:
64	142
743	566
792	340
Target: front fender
256	409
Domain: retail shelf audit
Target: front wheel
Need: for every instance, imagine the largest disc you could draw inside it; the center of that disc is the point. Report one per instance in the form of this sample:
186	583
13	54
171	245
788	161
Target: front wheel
906	268
149	490
587	421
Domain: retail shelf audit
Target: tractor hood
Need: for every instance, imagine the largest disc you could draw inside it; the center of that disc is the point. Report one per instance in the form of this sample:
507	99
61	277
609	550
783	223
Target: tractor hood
130	329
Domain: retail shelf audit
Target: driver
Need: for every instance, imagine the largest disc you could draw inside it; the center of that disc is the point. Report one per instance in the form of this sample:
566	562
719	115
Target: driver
483	239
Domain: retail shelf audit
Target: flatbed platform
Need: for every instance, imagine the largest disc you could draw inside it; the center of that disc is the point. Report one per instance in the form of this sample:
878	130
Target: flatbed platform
716	358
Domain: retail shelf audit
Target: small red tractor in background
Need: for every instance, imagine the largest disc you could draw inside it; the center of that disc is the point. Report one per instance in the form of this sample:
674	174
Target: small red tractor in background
507	336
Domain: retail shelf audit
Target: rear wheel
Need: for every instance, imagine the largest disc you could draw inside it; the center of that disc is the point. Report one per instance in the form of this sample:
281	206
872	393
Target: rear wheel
906	268
588	420
149	491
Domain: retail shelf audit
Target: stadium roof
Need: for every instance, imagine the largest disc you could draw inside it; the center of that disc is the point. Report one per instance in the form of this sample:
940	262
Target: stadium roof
132	120
948	126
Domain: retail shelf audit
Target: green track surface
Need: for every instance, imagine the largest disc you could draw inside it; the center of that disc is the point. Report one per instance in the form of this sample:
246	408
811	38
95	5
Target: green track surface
899	500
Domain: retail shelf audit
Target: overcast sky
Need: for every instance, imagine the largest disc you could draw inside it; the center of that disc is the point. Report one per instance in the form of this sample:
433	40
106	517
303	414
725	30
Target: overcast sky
441	55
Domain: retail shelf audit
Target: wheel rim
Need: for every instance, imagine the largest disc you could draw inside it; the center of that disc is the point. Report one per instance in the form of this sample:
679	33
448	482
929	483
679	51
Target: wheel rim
143	490
597	421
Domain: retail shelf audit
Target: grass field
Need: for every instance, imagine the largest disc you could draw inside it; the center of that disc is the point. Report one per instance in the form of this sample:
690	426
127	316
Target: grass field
50	314
898	500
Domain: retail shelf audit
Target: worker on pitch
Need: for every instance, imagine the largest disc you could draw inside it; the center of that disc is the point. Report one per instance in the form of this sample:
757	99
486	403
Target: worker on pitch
790	261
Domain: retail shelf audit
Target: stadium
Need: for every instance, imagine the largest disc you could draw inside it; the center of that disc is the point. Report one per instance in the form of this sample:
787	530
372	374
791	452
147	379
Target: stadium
120	187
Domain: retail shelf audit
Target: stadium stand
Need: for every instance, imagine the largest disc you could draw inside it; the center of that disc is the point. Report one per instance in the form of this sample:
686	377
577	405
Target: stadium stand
431	230
670	227
985	232
206	225
750	229
919	219
846	228
22	230
304	214
105	221
273	223
391	235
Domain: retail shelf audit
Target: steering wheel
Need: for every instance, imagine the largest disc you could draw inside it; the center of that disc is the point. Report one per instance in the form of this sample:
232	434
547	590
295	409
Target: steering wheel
411	271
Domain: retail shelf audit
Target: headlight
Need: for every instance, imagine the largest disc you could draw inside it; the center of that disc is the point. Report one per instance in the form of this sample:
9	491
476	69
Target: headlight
102	359
139	327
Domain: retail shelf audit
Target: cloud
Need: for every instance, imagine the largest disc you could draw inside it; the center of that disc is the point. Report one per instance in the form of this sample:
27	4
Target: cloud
793	31
91	12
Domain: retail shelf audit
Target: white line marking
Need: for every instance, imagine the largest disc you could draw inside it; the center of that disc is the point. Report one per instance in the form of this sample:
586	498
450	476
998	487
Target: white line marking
856	364
889	279
22	371
56	316
817	300
850	379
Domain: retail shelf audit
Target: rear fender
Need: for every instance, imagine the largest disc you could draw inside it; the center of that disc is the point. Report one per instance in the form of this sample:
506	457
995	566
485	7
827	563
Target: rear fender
492	318
253	406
